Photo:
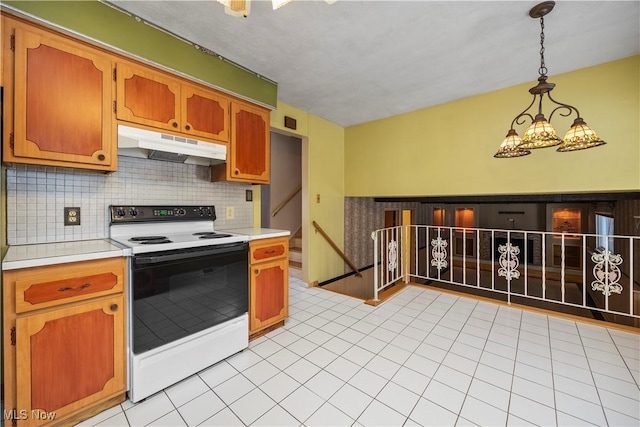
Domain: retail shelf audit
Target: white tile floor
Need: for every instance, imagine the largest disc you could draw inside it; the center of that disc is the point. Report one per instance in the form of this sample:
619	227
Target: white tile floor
421	358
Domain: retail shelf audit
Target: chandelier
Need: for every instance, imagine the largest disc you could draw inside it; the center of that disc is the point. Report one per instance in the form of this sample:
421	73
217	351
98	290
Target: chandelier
243	7
541	133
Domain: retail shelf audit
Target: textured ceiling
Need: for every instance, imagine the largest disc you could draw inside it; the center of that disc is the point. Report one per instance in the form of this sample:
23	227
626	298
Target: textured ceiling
357	61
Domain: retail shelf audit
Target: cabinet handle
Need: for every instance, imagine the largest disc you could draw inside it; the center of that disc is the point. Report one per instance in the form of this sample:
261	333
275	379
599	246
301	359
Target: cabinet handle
114	307
187	127
174	124
78	288
101	157
256	271
237	171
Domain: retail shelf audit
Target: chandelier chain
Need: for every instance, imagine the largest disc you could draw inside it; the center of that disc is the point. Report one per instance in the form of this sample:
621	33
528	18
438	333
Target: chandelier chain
543	68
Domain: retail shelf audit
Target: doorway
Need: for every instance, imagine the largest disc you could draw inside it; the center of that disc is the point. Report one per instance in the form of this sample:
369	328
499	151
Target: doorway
281	200
395	218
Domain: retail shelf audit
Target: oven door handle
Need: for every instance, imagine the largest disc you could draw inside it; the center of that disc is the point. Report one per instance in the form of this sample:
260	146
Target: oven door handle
218	250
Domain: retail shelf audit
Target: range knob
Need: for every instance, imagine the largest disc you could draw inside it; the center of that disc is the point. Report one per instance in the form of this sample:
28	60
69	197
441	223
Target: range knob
120	213
180	212
133	212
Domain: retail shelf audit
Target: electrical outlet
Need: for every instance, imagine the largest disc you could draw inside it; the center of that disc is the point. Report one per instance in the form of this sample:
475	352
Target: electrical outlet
71	216
230	212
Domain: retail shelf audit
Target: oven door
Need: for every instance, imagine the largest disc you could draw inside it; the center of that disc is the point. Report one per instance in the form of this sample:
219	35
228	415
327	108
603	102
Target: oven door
181	292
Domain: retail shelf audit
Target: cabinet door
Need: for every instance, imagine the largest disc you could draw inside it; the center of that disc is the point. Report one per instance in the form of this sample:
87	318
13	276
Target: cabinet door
70	358
62	99
204	113
147	97
269	294
250	144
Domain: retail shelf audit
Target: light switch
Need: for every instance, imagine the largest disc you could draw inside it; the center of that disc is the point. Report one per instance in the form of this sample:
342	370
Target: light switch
318	198
230	212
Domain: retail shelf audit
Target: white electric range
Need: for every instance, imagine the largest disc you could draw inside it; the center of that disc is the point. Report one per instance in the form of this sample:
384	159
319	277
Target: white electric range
187	292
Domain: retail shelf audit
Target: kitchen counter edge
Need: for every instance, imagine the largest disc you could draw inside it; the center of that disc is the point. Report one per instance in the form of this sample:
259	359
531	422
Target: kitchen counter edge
257	233
42	254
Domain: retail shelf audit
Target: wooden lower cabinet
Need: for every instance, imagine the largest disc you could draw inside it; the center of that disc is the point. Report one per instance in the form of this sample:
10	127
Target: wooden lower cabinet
269	283
66	361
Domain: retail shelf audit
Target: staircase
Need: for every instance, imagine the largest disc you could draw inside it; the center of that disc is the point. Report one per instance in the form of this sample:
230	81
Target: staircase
295	251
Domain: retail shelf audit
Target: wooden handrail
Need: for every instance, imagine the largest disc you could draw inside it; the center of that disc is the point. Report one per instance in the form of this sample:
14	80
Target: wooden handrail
337	249
295	233
287	200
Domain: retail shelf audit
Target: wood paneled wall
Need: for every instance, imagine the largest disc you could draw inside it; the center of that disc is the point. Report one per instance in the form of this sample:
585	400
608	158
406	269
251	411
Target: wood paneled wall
363	215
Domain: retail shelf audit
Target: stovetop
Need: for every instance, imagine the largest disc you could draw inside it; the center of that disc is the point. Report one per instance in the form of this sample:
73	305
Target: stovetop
147	229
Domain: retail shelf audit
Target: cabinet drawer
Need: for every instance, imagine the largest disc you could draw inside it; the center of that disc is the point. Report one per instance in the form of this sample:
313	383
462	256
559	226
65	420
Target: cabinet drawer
60	284
267	249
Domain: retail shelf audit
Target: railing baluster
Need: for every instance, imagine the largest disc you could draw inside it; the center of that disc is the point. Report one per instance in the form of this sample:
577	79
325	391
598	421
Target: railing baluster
493	260
478	258
606	276
562	267
509	276
417	262
376	249
544	266
526	263
585	263
631	282
399	262
464	256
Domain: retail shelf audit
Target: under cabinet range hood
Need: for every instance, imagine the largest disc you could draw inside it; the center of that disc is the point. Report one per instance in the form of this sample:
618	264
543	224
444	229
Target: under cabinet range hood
134	142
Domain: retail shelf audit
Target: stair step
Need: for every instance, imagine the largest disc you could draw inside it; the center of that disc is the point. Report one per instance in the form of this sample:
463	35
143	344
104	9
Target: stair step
297	241
295	264
295	254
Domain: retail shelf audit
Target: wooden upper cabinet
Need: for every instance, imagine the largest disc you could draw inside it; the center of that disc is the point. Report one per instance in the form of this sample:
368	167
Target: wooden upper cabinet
249	155
151	98
62	93
147	98
205	113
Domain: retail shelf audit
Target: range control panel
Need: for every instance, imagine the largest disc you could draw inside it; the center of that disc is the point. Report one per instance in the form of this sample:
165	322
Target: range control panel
144	213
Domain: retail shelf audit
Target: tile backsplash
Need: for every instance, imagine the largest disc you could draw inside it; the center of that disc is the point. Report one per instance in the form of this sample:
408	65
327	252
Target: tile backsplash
37	196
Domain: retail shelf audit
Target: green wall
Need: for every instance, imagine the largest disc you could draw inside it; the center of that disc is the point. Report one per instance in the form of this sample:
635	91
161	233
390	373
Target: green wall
107	25
448	149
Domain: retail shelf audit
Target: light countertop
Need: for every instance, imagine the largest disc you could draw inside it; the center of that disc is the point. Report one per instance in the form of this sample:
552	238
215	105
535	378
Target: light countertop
39	254
257	233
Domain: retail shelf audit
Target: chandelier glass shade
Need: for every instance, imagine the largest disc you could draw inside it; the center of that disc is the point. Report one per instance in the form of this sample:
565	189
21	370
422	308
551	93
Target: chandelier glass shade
579	137
511	146
541	133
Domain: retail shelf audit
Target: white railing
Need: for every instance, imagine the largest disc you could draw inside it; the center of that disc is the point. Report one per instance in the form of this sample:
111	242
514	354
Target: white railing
387	255
568	269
